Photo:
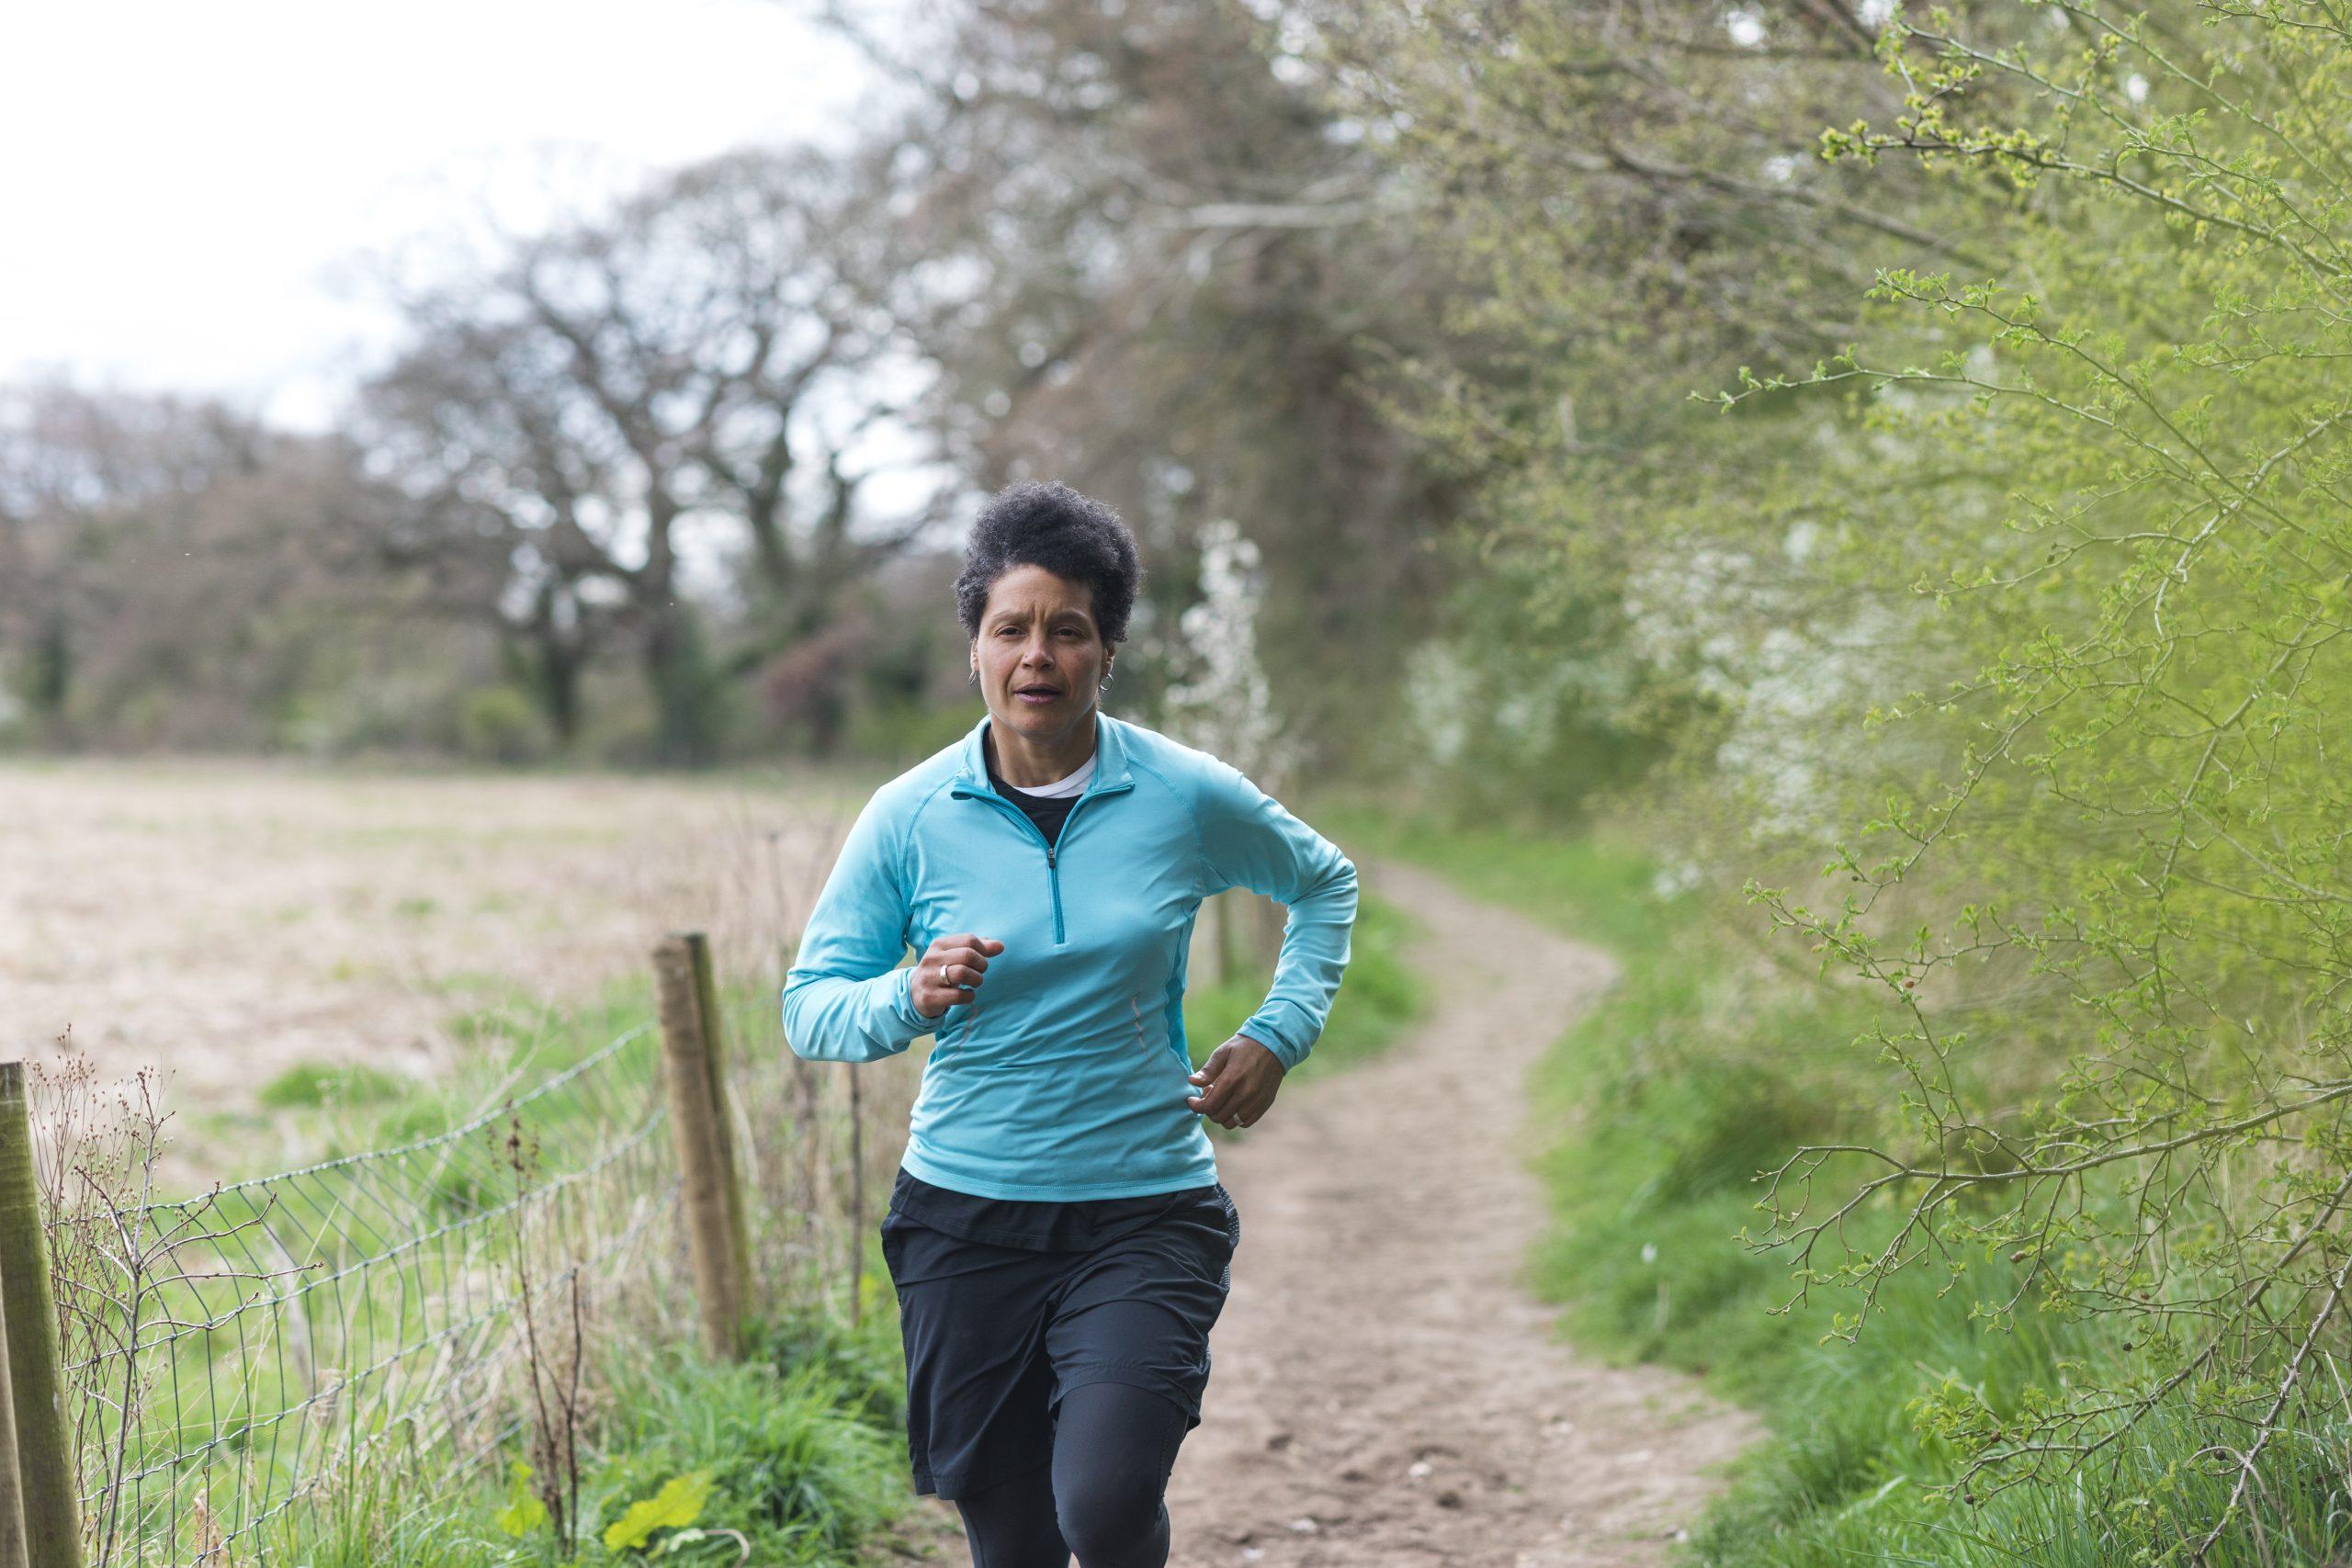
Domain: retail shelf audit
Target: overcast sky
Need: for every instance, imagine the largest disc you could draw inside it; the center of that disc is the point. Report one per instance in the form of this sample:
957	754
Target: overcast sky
184	187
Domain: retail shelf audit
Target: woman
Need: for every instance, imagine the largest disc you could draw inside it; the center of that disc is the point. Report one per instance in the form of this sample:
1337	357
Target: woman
1057	1236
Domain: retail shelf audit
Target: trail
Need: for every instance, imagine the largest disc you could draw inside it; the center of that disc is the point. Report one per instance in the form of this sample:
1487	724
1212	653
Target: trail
1384	1390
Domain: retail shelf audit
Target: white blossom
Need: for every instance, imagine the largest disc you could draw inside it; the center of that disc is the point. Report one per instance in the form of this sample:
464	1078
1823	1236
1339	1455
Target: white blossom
1225	707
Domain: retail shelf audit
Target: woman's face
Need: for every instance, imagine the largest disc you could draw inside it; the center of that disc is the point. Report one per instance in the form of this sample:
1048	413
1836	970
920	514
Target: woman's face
1040	655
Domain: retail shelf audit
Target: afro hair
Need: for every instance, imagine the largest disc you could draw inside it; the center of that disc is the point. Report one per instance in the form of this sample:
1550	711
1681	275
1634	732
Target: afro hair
1044	523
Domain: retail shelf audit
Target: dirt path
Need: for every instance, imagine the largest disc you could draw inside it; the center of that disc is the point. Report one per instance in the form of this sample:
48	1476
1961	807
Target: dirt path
1384	1390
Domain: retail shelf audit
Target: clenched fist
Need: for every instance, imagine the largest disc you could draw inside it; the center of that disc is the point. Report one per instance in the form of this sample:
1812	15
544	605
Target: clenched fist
948	974
1238	1082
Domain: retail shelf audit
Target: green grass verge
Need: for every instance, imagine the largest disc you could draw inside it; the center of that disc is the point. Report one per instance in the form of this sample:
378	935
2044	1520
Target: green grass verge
800	1451
1671	1095
798	1454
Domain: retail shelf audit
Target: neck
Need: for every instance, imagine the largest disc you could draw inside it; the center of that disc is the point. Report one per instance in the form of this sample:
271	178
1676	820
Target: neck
1024	763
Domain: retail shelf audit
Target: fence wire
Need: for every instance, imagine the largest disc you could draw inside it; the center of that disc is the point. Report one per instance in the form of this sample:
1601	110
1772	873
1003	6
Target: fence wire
228	1355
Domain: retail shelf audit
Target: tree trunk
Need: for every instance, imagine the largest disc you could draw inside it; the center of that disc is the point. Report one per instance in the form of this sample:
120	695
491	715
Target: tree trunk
559	684
53	670
678	673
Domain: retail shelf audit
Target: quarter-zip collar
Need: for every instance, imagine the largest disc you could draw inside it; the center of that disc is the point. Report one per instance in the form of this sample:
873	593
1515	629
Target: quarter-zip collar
1110	774
1111	770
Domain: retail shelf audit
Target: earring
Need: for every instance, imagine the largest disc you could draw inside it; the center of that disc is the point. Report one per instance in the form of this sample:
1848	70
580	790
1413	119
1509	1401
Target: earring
1106	679
974	678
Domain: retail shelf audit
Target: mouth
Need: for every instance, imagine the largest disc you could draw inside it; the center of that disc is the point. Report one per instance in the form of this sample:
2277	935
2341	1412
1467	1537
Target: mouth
1037	696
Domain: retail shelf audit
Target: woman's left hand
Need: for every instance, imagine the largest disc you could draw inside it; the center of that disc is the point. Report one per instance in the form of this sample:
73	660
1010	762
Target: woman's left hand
1239	1082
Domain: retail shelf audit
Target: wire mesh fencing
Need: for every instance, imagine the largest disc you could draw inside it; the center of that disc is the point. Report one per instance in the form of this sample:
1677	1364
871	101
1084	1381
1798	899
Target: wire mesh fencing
228	1355
238	1366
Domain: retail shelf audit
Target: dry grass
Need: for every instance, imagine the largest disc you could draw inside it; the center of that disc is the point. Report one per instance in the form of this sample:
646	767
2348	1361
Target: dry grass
226	920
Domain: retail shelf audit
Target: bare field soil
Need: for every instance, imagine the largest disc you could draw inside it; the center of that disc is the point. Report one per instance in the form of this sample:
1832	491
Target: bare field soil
224	921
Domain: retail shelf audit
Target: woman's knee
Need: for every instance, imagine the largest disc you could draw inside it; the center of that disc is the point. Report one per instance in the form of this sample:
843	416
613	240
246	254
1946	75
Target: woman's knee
1112	1457
1114	1521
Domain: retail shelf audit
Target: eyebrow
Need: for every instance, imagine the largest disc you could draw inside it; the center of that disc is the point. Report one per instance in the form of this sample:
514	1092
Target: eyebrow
1065	613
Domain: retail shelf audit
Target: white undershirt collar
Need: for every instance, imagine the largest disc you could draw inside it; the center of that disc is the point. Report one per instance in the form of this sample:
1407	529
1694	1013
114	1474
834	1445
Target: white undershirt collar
1071	784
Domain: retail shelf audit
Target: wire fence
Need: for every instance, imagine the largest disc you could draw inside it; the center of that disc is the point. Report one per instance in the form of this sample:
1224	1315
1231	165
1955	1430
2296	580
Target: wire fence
223	1360
227	1355
283	1368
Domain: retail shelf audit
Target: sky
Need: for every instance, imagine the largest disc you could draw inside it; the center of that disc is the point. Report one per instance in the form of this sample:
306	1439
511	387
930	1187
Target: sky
190	193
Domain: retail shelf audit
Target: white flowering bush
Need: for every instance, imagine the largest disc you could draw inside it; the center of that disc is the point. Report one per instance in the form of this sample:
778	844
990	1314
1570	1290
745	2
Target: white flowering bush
1225	707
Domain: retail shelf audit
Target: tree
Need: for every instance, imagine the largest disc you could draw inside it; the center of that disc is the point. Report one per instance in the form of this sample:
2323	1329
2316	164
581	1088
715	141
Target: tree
159	556
1633	198
2142	755
2029	616
575	419
1150	260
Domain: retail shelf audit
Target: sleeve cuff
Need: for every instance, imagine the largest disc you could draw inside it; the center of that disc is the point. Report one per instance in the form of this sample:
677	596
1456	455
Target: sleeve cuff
902	1001
1289	1041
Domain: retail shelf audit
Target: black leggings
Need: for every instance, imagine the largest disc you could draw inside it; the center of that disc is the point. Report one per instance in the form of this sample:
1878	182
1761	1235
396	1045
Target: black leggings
1103	1495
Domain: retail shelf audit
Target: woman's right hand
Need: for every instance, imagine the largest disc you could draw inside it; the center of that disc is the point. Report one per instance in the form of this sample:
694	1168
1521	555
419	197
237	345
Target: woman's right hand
949	974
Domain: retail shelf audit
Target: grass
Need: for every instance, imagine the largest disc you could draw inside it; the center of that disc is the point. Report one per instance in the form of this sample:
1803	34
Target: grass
278	1321
314	1086
1669	1097
795	1453
805	1445
382	1263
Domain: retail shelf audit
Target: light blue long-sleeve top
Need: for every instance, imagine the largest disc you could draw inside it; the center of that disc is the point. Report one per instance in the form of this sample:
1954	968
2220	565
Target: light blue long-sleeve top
1067	1077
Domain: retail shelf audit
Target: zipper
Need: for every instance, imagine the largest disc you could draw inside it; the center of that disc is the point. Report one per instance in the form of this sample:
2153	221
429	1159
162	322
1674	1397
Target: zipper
1053	874
1053	878
1053	861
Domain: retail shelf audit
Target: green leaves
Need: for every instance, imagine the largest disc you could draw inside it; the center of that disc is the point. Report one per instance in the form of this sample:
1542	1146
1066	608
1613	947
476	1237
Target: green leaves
676	1505
524	1512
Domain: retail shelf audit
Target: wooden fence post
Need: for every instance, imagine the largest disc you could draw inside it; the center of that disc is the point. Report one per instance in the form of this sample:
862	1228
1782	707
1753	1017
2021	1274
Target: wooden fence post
36	1390
1204	961
856	1199
13	1551
1268	923
714	1037
698	1128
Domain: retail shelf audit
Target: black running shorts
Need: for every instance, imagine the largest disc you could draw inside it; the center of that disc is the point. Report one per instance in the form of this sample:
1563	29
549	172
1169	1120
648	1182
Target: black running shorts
995	1335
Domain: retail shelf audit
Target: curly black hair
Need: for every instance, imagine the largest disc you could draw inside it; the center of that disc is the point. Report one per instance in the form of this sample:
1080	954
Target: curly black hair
1044	523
